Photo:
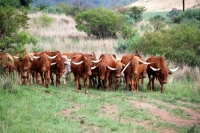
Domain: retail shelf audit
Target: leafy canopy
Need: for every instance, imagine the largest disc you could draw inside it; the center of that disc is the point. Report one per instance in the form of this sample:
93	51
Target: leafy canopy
100	22
12	36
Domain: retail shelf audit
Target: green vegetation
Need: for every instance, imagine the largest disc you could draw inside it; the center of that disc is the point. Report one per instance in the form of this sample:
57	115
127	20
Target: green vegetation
15	3
100	22
12	38
37	109
45	20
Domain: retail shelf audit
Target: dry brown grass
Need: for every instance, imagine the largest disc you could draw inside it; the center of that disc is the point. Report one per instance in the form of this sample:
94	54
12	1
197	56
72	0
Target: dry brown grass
63	36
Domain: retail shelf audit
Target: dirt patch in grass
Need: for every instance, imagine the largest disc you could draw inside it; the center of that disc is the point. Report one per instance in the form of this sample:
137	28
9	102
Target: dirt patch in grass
110	111
167	117
69	111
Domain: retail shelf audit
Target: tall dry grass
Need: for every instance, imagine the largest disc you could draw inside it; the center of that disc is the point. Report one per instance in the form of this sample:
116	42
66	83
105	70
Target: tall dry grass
62	35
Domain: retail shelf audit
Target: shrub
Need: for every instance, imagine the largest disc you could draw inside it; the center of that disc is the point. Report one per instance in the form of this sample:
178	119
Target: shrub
53	10
45	20
180	44
157	22
12	24
189	15
67	9
100	22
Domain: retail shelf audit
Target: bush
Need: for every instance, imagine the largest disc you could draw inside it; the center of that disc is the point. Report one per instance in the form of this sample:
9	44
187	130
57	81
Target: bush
67	9
127	44
45	20
180	43
53	10
157	22
189	15
100	22
12	24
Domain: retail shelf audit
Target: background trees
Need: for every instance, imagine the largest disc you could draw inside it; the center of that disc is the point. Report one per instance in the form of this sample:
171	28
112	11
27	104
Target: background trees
12	36
100	22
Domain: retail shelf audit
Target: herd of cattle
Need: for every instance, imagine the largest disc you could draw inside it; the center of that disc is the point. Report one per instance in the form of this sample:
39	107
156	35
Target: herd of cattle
104	72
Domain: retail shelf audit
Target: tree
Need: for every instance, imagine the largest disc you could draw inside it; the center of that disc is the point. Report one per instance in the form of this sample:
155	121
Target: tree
12	36
100	22
136	12
15	3
158	22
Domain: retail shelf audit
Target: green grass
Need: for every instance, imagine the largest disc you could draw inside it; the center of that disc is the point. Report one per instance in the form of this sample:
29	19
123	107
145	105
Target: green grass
147	15
36	109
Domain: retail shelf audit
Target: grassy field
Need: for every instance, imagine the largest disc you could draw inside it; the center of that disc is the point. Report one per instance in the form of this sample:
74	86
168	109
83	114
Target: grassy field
33	108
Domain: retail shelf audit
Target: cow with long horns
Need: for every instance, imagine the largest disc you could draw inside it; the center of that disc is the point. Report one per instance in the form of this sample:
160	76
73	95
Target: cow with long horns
41	64
159	70
109	70
133	71
81	67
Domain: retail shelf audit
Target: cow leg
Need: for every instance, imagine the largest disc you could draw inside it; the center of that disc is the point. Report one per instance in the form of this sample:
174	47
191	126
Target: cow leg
64	79
52	80
77	82
86	84
133	86
57	80
99	83
162	85
47	79
116	83
152	83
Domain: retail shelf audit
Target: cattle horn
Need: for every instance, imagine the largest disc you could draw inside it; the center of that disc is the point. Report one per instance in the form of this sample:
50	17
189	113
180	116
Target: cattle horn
146	63
77	63
111	68
64	56
51	57
96	61
173	70
154	68
16	57
36	57
93	67
53	63
125	67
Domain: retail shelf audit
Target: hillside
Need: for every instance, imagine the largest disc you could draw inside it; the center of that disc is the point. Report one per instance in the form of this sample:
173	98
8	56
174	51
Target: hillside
165	5
88	3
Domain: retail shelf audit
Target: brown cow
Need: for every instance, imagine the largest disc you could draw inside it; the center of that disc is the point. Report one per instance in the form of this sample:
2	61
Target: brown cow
81	67
158	70
135	67
7	63
23	65
41	64
109	69
59	68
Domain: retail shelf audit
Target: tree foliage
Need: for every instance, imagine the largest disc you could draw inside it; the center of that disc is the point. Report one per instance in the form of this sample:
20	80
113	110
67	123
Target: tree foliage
100	22
157	22
180	43
136	12
12	35
15	3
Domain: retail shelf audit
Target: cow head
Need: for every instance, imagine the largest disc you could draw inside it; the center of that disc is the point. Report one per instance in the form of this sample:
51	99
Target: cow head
163	73
102	70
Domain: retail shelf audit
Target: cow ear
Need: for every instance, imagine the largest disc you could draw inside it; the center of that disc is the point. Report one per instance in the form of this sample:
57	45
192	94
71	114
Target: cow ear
169	72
